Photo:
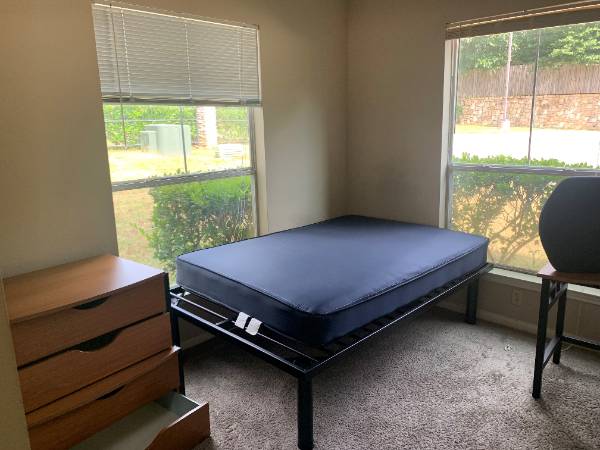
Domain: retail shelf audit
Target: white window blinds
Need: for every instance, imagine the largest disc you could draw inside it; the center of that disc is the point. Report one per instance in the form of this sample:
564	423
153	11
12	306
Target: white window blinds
565	14
147	57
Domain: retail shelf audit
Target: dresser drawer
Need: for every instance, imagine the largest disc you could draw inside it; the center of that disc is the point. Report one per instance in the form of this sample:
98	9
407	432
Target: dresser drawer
66	372
191	426
67	429
45	335
171	422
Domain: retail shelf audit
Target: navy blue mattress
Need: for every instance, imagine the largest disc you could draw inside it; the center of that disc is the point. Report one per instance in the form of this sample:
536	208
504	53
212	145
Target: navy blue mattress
321	281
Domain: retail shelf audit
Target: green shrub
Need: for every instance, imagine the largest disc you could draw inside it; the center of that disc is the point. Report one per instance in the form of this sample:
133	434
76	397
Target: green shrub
196	215
138	116
232	122
232	125
458	112
503	206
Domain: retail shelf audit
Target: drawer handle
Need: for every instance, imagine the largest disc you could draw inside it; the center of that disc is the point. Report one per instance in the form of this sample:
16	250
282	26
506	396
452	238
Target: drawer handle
92	304
98	343
111	393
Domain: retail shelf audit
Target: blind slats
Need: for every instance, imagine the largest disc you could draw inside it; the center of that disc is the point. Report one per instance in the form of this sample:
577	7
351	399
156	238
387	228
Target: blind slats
150	57
566	14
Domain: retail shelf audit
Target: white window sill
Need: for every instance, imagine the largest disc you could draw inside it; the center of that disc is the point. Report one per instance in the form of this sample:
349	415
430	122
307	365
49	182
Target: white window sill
532	283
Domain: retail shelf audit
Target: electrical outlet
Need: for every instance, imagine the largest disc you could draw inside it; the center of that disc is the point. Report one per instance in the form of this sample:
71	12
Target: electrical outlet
517	297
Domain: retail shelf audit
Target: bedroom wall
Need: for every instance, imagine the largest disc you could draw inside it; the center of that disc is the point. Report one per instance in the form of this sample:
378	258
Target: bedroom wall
54	182
54	178
395	130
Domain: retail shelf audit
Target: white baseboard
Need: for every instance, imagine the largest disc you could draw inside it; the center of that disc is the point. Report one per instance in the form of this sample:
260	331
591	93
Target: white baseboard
498	319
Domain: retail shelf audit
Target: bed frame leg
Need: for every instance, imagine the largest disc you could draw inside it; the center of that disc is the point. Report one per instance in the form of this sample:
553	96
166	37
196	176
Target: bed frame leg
177	342
305	414
472	294
175	334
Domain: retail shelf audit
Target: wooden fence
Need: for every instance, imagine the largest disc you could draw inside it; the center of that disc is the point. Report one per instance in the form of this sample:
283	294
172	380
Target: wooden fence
568	79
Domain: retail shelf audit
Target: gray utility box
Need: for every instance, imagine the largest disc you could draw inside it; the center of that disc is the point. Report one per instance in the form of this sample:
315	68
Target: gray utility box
166	139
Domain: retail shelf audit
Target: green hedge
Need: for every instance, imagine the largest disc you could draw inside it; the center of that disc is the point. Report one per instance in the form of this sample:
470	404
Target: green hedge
196	215
505	207
232	125
134	114
232	122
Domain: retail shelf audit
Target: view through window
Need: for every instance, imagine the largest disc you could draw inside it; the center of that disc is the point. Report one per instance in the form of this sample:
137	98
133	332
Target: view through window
180	94
526	113
183	179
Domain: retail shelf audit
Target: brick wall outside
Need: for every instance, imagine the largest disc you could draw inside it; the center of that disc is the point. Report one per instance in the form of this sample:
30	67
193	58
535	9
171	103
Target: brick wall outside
572	111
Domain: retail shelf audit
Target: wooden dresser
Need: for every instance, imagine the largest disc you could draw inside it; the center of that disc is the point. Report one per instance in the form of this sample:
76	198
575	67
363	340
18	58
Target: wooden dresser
94	348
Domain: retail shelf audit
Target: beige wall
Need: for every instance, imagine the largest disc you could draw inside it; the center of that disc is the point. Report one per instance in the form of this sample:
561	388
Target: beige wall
54	178
54	181
395	130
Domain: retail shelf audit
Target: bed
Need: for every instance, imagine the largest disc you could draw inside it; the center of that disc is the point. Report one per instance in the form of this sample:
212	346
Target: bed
301	298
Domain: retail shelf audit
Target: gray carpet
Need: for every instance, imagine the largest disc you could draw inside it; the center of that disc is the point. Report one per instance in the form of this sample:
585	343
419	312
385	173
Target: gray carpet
434	383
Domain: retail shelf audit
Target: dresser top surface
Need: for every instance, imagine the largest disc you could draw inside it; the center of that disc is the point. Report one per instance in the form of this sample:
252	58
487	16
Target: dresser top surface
50	290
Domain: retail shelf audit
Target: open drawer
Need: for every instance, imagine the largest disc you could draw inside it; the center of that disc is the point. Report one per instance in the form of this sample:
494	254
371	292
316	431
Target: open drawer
169	423
78	416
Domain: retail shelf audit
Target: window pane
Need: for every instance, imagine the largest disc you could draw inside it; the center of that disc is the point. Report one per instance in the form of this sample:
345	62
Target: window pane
147	141
567	108
494	92
156	225
220	138
505	207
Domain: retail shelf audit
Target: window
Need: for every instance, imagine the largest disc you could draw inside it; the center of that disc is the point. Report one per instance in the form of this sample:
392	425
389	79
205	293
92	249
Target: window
525	114
179	100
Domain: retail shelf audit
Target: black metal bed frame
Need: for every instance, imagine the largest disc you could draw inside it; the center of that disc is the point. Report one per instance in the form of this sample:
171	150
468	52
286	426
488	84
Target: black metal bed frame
299	359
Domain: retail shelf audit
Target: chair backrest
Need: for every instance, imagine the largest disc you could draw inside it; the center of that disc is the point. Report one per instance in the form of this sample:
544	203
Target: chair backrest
570	226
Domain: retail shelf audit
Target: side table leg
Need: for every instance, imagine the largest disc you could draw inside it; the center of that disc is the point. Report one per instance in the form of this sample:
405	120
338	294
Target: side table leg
541	339
560	325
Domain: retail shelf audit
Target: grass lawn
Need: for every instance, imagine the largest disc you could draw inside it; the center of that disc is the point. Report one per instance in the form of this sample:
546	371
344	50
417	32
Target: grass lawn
133	215
475	129
135	164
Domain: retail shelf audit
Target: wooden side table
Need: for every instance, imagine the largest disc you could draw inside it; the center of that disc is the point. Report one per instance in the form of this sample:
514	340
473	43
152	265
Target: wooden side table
554	291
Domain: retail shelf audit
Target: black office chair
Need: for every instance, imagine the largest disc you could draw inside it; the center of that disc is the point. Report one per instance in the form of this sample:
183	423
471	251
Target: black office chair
570	226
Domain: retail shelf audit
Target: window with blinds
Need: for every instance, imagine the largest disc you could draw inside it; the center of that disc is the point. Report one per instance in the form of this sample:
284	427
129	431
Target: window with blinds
551	16
179	97
524	115
150	57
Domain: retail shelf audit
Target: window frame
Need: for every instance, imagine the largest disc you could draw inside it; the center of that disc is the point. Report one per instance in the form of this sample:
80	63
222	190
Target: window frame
453	166
252	106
